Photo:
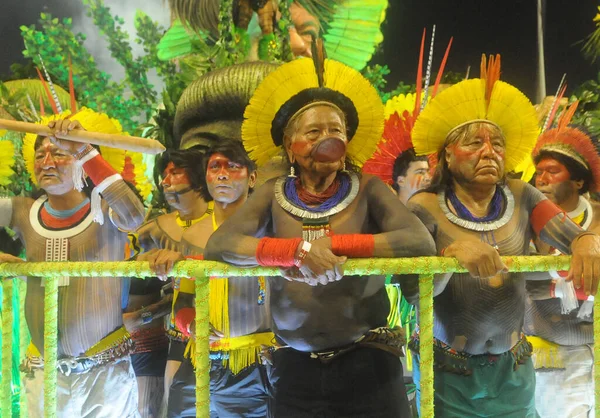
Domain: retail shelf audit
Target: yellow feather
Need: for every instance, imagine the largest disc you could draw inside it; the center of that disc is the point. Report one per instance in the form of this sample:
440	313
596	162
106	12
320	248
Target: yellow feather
508	108
293	77
7	156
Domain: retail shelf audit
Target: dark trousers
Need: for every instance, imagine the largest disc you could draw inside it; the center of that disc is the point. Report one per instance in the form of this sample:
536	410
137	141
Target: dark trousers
244	395
365	382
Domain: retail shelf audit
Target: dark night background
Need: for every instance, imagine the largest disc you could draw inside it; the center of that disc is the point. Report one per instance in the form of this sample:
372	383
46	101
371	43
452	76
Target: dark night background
505	27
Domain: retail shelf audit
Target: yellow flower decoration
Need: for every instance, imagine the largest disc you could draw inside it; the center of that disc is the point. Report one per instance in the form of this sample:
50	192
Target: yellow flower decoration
7	156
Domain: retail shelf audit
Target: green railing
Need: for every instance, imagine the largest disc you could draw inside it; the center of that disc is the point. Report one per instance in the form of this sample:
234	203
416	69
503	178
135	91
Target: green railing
426	267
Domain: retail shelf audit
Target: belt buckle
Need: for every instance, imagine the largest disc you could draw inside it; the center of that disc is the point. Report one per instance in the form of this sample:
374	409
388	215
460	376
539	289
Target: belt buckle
65	366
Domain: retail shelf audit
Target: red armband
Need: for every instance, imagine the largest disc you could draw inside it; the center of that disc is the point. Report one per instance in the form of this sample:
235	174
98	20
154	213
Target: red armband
194	257
96	167
542	213
353	245
183	320
277	252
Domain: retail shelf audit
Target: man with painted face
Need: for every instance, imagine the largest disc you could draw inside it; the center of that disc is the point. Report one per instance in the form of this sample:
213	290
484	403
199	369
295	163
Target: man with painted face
209	111
481	358
558	317
411	174
183	185
239	385
67	224
335	357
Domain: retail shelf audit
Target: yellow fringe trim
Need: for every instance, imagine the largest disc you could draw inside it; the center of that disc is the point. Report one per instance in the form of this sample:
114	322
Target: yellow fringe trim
110	341
243	351
546	355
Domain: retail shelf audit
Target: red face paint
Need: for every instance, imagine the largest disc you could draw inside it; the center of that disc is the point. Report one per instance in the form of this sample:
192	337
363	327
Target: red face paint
53	168
478	157
554	180
227	180
550	171
313	127
174	176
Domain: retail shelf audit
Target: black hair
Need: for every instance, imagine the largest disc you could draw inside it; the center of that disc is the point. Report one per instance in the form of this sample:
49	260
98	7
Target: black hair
402	163
234	150
190	160
576	170
305	97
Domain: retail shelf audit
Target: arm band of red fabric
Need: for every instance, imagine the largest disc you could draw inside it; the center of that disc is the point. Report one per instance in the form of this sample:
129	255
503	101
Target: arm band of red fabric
183	320
277	252
353	245
195	257
542	213
98	169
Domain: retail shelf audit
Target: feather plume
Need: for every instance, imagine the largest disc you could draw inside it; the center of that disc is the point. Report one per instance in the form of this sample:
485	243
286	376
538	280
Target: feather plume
51	85
50	99
490	73
562	87
441	70
396	140
72	88
419	77
42	108
31	106
428	69
319	55
567	115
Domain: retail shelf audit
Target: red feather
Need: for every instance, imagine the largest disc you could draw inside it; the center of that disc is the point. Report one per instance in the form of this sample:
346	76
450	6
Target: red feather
419	78
50	99
556	105
579	143
567	115
441	70
396	139
42	107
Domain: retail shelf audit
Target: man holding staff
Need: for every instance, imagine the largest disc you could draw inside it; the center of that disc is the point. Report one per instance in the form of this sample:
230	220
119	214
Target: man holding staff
70	223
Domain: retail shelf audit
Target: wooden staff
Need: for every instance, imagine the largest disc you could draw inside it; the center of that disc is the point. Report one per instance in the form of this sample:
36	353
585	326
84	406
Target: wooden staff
128	143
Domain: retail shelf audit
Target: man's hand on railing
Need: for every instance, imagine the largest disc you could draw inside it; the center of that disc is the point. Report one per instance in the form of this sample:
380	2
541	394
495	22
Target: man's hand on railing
585	263
480	259
7	258
161	261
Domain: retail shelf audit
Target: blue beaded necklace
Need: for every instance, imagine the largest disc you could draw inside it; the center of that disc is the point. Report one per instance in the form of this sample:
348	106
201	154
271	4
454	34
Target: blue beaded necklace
65	213
291	193
464	213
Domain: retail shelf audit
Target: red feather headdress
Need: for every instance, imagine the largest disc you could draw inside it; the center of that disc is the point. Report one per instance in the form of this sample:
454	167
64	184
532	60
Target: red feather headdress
573	143
396	137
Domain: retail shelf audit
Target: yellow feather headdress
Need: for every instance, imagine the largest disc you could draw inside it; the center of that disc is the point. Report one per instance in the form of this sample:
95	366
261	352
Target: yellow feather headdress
7	156
293	78
128	164
487	99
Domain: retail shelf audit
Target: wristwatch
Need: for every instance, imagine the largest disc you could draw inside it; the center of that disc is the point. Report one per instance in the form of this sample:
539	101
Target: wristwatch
146	316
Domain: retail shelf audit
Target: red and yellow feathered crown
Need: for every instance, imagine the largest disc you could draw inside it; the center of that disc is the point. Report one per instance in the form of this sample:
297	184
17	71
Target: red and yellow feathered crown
482	99
401	112
572	143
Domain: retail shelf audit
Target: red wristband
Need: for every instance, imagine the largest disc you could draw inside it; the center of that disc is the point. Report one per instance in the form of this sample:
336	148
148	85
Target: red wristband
98	169
183	320
553	289
277	252
353	245
195	257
